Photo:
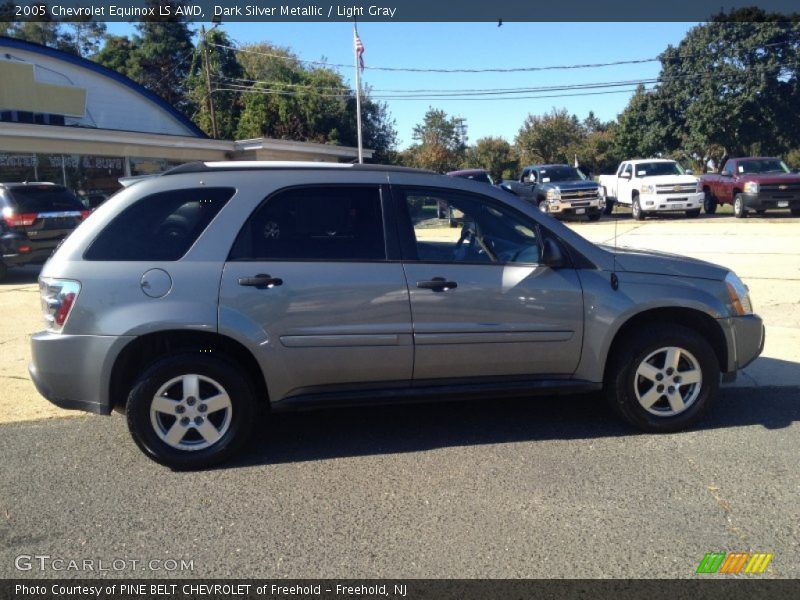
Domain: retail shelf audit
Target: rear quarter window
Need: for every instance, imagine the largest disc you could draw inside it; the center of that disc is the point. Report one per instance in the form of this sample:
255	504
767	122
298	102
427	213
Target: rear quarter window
159	227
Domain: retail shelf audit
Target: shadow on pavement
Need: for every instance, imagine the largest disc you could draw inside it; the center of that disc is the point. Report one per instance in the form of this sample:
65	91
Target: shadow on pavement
342	432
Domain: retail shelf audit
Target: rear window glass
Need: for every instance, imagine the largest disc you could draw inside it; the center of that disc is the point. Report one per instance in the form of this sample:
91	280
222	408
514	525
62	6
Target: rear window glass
160	226
43	198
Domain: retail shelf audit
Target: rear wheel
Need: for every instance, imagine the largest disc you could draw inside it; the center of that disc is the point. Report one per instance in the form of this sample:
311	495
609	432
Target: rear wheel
637	211
709	202
191	411
739	211
663	378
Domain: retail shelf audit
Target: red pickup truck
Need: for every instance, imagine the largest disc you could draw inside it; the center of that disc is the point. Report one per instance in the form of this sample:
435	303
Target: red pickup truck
752	184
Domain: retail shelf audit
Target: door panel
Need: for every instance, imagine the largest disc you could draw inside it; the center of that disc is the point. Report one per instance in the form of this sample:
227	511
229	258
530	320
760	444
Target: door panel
309	282
481	305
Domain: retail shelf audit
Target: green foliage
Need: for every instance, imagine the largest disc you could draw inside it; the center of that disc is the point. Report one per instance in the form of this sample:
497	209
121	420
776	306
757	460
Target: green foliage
120	54
438	144
548	138
493	154
79	37
793	158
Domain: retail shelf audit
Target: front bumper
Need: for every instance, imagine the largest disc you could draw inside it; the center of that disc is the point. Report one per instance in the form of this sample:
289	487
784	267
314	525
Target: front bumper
74	371
769	200
746	337
670	202
576	207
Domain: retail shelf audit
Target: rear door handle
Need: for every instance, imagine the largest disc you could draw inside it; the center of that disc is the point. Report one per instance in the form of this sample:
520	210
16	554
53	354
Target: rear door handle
261	281
437	284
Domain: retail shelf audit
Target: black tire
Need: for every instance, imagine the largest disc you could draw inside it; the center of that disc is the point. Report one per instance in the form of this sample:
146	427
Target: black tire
636	209
693	214
795	212
609	206
739	209
4	269
595	216
239	420
632	352
709	202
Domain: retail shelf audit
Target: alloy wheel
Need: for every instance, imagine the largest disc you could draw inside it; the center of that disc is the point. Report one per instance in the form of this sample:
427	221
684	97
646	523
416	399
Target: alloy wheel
668	381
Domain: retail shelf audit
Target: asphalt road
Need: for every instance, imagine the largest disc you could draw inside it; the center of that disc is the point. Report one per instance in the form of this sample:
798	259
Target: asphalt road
524	488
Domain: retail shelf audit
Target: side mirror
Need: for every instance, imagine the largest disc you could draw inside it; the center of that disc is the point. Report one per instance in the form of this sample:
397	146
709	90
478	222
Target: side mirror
552	256
726	174
625	175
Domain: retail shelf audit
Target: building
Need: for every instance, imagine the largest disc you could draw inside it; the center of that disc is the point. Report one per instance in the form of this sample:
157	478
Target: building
69	120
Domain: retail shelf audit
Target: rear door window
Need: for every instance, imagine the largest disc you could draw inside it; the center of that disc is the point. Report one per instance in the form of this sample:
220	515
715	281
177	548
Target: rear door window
340	223
159	227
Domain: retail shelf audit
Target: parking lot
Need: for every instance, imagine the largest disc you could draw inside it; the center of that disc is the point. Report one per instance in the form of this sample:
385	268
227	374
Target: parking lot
523	488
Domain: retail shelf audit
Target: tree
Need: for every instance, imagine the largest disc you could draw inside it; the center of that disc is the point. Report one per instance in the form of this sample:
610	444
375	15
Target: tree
164	52
439	146
120	54
731	86
226	75
494	154
547	138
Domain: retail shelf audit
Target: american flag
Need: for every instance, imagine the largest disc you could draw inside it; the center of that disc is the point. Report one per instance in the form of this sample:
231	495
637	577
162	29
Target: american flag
360	53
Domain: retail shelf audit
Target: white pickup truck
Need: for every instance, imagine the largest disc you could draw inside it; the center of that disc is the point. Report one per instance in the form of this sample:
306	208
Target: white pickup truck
653	185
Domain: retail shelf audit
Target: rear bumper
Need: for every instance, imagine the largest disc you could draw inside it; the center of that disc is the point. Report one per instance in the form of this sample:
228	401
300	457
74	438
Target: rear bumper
768	200
74	371
18	250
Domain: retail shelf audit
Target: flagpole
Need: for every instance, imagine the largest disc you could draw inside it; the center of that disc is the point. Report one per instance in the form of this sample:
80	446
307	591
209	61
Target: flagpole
358	95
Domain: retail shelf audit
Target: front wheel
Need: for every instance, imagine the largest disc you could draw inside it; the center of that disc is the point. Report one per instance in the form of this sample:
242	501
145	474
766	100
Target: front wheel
609	206
595	216
191	411
637	211
694	213
739	211
709	202
795	212
663	378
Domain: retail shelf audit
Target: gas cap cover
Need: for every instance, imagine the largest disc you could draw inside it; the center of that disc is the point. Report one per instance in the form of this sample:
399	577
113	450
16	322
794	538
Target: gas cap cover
156	283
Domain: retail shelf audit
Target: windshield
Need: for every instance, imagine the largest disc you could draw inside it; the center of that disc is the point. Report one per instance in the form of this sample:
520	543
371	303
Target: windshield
561	173
653	169
762	165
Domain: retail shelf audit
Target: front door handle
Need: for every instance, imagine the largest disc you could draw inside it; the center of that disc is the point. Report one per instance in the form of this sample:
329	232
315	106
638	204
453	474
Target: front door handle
261	281
437	284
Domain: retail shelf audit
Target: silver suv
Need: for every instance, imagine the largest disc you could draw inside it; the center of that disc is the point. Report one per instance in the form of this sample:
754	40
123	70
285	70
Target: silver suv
189	299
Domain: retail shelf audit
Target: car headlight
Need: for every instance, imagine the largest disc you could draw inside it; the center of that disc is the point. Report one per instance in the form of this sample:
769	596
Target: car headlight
751	187
554	195
738	294
647	189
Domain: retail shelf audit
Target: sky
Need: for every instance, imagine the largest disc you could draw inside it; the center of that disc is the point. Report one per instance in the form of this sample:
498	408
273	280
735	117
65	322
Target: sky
477	46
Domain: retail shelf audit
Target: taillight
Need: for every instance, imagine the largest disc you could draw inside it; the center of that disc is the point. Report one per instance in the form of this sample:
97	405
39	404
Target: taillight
23	220
85	213
58	299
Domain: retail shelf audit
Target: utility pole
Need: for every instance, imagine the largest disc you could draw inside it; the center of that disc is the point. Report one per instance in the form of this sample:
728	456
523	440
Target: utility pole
209	97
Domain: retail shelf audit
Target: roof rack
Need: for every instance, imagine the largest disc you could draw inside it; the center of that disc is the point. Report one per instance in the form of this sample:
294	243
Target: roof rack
253	165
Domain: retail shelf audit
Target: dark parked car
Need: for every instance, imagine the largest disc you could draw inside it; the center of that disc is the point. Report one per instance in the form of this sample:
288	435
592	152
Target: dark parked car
36	217
559	190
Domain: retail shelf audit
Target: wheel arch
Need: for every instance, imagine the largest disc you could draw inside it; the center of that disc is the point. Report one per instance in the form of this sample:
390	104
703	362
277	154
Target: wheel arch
694	319
146	349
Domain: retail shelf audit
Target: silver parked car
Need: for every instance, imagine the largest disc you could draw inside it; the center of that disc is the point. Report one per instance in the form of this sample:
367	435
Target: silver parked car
188	299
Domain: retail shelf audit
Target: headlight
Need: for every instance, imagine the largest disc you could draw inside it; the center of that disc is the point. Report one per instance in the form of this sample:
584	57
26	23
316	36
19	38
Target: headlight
738	294
751	187
554	195
647	189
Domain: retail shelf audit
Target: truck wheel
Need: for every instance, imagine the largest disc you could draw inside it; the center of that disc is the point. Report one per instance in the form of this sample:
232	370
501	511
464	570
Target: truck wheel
191	411
543	206
636	208
709	202
695	212
595	216
795	212
739	211
664	378
4	268
609	206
